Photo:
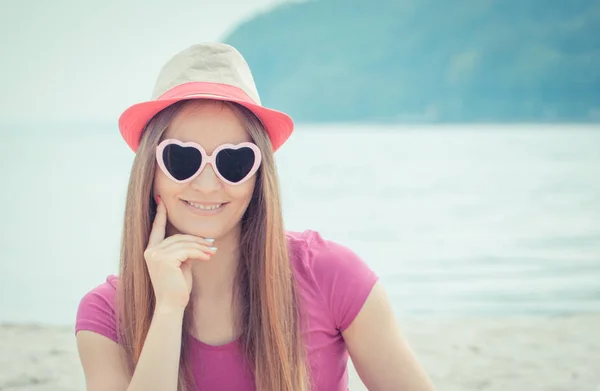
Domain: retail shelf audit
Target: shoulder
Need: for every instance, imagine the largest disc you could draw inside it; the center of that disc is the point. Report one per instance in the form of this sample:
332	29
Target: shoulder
96	310
309	249
342	277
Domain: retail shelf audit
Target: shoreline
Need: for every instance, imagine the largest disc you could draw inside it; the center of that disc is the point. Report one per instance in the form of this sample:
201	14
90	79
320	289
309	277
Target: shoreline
529	353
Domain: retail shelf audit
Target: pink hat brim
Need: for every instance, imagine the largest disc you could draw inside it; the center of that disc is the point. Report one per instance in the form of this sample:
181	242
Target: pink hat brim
279	126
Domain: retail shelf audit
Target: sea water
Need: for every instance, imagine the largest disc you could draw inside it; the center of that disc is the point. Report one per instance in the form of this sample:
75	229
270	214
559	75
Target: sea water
472	219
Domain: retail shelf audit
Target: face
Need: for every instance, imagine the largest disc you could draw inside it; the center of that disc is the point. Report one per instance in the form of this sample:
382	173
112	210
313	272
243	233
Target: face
206	206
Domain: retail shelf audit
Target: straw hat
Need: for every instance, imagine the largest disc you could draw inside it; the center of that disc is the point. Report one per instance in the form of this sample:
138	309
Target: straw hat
205	71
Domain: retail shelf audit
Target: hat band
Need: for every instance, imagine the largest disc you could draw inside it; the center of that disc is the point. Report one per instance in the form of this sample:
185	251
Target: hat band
205	89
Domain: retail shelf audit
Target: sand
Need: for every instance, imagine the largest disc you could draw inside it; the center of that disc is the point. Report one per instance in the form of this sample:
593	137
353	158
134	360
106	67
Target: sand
492	354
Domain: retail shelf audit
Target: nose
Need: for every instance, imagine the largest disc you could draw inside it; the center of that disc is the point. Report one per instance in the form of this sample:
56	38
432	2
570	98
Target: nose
207	181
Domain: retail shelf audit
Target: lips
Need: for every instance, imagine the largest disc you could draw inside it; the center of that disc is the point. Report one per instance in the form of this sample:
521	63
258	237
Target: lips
204	206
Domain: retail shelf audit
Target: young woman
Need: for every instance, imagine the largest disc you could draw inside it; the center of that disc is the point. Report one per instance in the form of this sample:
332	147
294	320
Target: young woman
213	293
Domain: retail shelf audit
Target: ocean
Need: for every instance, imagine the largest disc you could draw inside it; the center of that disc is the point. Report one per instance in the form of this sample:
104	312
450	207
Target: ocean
496	220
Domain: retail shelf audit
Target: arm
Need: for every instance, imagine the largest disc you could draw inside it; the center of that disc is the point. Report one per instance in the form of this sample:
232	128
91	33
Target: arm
382	358
158	366
157	369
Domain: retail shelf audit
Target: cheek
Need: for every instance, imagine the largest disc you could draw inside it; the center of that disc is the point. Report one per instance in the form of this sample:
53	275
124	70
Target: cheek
163	186
242	193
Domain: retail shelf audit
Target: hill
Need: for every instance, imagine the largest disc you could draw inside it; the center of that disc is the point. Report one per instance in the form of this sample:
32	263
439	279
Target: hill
428	60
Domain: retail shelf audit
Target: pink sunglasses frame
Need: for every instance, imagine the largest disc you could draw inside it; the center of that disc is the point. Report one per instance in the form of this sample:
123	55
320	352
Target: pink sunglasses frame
208	159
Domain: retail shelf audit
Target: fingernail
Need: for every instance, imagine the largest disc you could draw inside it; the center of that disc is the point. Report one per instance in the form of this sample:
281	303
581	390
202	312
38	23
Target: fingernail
157	199
209	240
212	248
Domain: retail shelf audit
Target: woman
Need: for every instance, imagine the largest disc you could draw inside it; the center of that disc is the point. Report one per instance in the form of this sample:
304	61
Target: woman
213	293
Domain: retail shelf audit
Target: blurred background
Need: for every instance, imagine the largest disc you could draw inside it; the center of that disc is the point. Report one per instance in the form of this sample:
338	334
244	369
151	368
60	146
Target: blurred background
455	146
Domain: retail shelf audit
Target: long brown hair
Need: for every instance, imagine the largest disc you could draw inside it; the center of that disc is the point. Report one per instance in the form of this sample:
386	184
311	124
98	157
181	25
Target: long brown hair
270	320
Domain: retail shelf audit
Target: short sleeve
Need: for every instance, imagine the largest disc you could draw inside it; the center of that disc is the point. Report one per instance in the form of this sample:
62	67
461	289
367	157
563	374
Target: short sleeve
344	279
96	311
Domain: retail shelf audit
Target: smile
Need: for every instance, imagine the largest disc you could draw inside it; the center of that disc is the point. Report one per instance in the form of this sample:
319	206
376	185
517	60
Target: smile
203	206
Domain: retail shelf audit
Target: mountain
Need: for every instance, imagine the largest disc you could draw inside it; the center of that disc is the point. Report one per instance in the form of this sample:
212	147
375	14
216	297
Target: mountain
427	60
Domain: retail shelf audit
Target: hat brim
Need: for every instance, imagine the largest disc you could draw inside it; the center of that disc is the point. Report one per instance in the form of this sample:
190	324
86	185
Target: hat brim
279	125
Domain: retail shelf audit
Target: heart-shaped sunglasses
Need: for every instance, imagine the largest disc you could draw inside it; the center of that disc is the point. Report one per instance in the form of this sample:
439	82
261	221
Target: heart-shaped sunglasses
233	164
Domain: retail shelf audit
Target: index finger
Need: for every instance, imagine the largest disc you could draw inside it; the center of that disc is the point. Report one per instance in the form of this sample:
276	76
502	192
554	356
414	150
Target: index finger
157	234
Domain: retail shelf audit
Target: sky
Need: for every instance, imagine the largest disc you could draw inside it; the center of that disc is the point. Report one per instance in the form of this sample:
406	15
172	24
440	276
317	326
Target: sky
80	60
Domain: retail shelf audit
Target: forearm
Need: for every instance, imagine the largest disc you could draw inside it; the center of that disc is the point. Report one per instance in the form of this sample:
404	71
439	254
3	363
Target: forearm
158	366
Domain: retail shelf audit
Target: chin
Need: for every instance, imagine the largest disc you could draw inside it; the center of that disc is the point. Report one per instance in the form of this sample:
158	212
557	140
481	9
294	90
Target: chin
204	232
204	229
213	227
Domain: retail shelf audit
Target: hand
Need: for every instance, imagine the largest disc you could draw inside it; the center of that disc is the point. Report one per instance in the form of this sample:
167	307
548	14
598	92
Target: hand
169	262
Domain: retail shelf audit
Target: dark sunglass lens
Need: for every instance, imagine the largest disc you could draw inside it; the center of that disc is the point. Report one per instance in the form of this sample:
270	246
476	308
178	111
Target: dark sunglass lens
181	162
235	164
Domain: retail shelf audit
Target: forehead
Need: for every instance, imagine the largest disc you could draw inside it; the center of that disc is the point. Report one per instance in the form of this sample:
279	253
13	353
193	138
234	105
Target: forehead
207	123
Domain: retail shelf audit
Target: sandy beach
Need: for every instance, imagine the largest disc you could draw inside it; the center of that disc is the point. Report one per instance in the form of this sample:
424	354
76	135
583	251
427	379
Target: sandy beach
460	354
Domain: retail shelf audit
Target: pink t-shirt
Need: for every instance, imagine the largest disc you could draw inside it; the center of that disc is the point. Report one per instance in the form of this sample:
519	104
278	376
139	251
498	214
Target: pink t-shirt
333	284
